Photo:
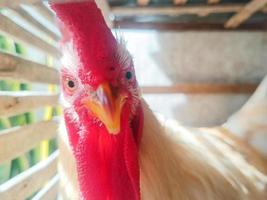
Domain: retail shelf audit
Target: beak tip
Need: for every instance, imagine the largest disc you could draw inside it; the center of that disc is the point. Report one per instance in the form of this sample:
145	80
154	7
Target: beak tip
114	131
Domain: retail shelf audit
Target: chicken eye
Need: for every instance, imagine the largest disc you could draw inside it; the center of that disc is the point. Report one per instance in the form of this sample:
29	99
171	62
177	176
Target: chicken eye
128	75
70	85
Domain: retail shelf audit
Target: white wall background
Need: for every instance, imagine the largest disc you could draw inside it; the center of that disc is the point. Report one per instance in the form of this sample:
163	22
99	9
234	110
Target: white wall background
208	57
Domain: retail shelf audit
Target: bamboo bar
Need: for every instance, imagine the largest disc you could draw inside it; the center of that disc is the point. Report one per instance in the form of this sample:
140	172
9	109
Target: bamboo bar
28	182
44	11
11	29
179	2
48	192
19	140
213	1
143	2
14	3
14	103
31	20
175	11
14	67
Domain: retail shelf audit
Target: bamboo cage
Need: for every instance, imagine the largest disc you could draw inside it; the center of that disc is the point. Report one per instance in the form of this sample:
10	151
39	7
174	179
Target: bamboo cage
41	181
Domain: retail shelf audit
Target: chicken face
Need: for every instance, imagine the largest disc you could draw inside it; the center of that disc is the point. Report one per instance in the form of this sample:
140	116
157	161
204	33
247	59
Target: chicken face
102	92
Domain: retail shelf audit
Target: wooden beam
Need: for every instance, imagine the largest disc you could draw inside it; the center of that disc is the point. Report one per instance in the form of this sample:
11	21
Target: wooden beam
189	26
14	3
143	2
45	12
177	10
14	103
34	22
48	192
213	1
200	89
179	2
66	163
14	67
247	11
29	181
19	34
18	140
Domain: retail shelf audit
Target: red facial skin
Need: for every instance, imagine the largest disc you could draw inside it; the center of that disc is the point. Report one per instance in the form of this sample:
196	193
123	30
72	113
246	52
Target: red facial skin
107	164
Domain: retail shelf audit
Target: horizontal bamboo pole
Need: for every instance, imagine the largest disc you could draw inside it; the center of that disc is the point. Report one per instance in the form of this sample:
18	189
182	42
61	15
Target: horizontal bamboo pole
201	10
69	188
28	182
13	3
34	22
44	11
200	89
13	103
15	67
179	2
19	140
48	192
18	33
143	2
174	11
213	1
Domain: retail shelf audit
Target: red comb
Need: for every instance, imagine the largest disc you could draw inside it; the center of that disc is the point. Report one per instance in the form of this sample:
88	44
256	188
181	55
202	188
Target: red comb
84	24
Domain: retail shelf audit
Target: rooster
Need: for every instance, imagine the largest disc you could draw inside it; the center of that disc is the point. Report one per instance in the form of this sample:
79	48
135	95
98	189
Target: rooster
119	148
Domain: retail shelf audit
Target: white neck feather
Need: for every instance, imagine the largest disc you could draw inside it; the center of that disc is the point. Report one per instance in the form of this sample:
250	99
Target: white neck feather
188	164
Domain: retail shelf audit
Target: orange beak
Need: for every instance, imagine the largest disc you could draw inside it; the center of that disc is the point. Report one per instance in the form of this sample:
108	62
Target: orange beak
107	106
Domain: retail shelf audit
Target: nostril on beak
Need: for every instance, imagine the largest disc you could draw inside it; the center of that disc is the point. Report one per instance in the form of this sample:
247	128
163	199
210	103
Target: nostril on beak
114	91
102	96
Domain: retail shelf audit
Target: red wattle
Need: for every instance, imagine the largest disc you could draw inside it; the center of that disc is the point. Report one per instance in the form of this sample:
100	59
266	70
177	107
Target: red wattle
107	165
